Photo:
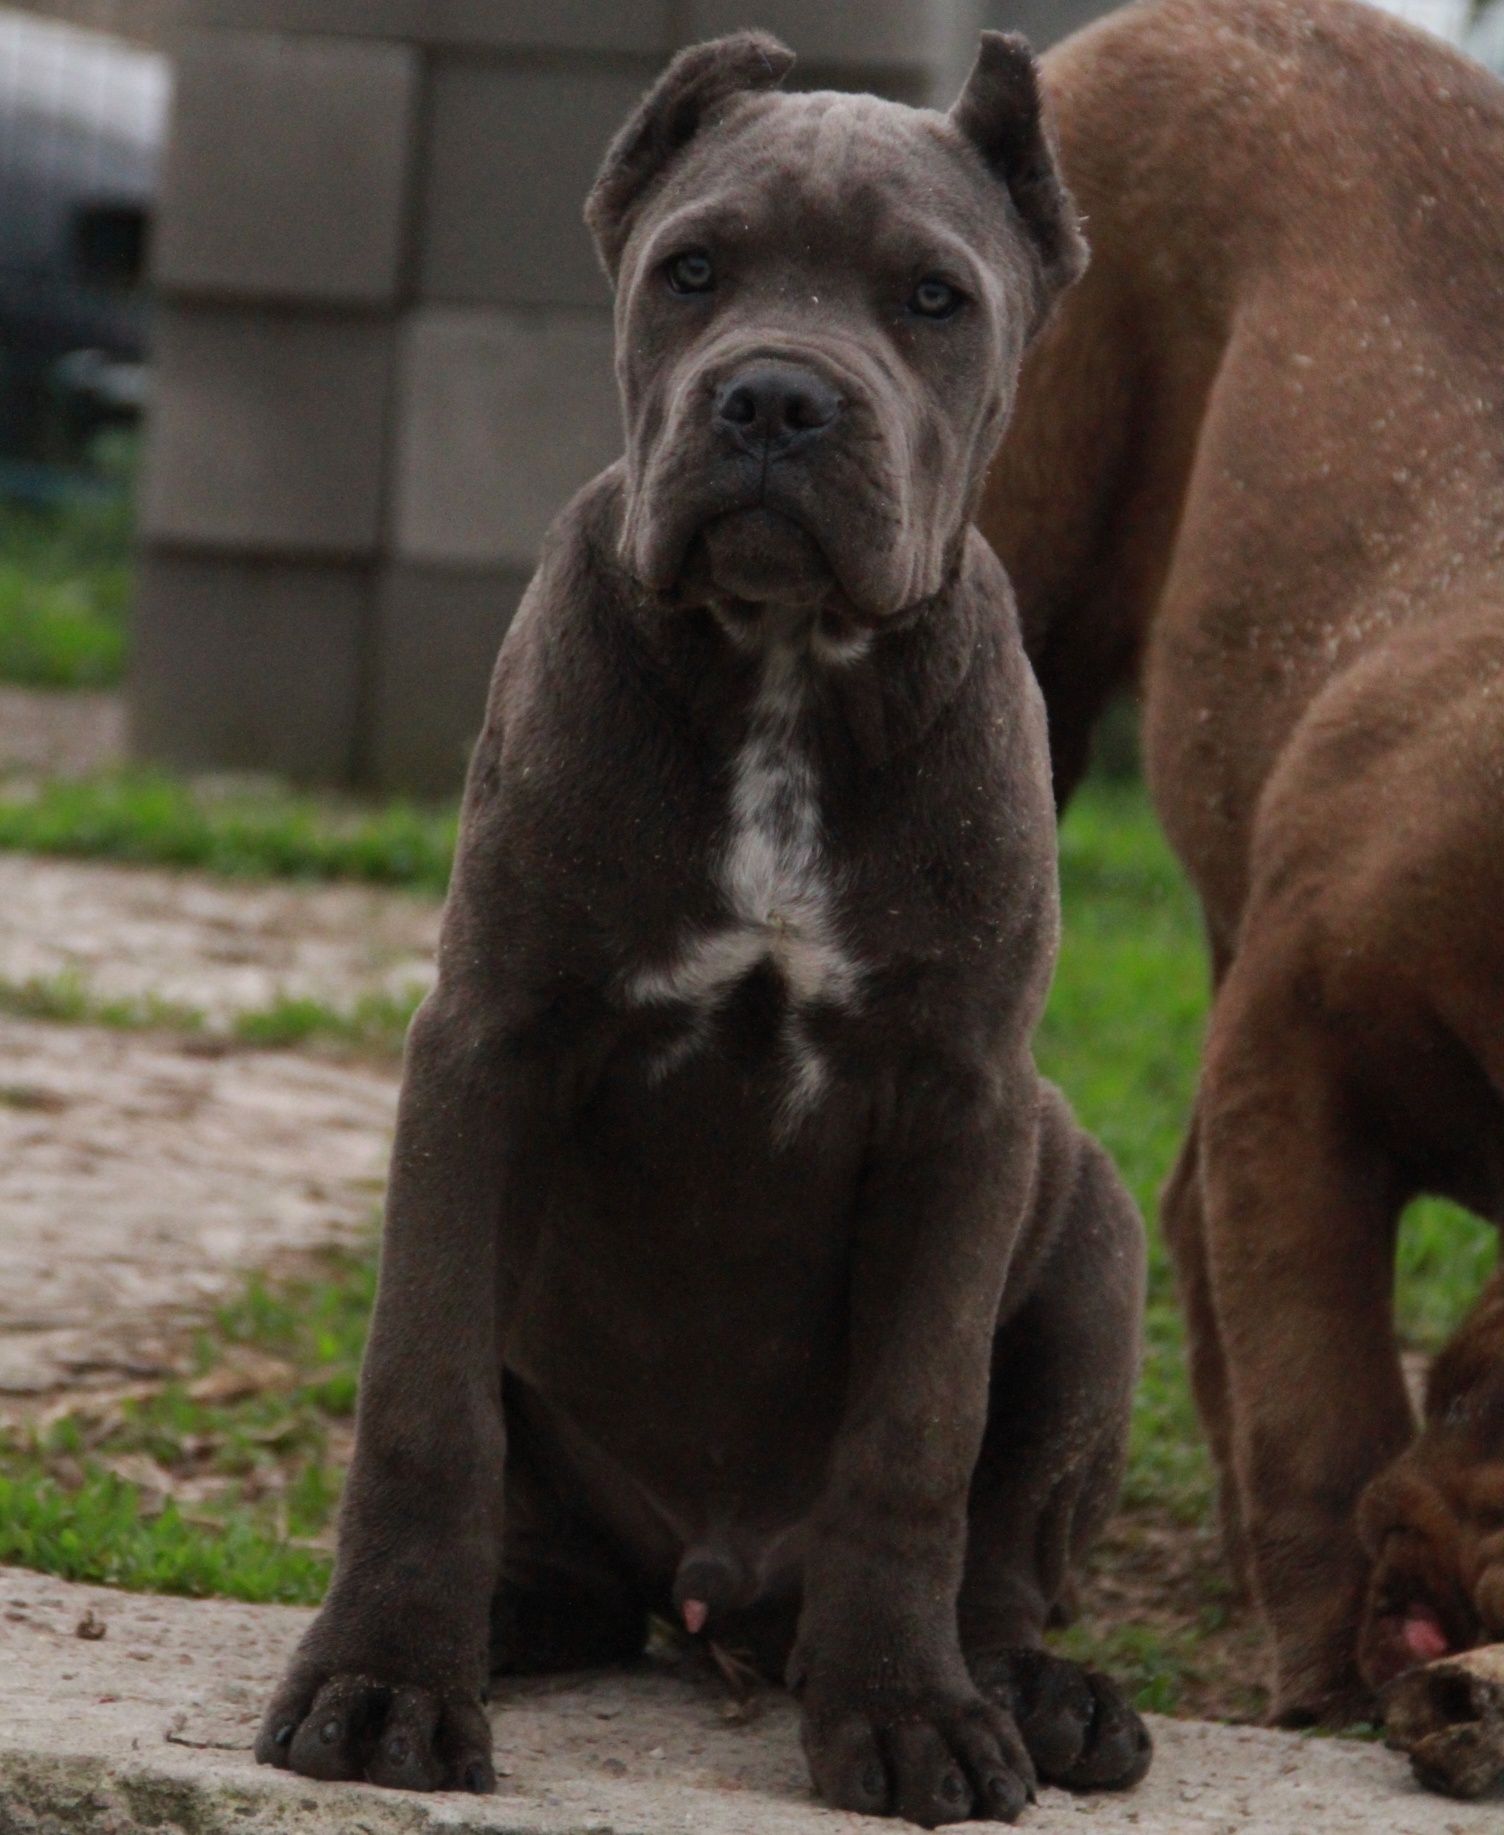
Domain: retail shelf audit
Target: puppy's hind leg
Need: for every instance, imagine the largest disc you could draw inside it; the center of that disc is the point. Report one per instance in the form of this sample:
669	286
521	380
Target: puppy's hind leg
1063	1374
566	1599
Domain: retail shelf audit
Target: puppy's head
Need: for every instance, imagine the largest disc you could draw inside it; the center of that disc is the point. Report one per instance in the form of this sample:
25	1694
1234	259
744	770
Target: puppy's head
821	305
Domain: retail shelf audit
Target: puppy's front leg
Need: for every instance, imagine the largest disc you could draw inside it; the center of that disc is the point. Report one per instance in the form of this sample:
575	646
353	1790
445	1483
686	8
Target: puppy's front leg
892	1721
387	1684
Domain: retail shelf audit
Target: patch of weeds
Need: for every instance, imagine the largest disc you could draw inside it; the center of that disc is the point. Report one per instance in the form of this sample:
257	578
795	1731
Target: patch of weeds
225	1481
1154	1664
375	1025
238	830
1445	1256
99	1529
65	582
67	998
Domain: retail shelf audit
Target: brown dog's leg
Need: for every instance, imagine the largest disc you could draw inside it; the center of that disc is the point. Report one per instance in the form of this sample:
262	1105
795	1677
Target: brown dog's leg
1433	1520
1182	1215
1063	1376
1301	1214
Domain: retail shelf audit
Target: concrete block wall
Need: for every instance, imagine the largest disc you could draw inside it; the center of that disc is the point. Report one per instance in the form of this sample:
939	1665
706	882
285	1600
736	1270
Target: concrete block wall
384	358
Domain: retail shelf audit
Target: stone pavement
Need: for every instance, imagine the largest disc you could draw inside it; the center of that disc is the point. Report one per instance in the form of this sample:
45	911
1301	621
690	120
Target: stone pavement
120	1713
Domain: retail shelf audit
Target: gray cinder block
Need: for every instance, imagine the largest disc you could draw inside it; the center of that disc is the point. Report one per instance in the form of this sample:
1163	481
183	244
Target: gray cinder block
512	156
366	18
247	665
286	174
436	637
267	432
862	33
573	25
1043	22
501	417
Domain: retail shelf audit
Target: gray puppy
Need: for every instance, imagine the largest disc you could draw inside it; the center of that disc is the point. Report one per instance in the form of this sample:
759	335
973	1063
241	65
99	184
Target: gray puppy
737	1261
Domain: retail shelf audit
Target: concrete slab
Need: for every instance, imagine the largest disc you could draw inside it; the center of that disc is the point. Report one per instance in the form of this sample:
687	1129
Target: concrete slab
148	1725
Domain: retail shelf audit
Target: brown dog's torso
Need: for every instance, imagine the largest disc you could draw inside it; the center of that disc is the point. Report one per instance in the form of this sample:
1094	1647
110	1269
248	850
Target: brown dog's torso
1259	458
1258	465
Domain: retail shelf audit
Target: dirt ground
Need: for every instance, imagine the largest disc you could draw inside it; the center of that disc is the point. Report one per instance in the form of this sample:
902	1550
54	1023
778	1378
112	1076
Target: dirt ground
220	946
44	734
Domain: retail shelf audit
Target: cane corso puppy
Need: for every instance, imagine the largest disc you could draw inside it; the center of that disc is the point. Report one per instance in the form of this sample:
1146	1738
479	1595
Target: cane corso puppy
1258	461
737	1262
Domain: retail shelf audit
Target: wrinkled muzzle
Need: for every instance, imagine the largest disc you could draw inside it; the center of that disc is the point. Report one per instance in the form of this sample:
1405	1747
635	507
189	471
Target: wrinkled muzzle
786	473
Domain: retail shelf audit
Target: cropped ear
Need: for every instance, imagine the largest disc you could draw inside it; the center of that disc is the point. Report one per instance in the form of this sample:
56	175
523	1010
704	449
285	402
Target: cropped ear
1002	112
685	98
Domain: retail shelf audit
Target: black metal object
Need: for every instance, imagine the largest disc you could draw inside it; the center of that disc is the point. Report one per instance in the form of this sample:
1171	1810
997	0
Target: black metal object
82	118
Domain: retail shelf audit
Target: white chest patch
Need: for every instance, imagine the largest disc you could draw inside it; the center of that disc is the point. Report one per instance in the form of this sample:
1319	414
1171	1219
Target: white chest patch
780	904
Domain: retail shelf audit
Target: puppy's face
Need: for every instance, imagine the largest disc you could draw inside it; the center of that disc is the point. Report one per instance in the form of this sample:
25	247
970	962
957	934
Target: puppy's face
821	305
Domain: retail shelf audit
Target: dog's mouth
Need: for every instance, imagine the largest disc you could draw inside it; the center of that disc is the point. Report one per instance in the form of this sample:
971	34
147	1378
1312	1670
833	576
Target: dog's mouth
763	555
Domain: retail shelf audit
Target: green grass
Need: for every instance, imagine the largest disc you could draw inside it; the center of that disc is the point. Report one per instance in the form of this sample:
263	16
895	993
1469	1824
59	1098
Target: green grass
373	1025
64	593
1122	1036
150	818
261	1467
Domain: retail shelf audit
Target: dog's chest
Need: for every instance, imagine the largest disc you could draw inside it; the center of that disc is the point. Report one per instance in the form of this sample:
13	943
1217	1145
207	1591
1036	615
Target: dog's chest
779	892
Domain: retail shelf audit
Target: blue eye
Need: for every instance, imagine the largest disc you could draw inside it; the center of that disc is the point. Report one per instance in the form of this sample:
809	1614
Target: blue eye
934	298
691	272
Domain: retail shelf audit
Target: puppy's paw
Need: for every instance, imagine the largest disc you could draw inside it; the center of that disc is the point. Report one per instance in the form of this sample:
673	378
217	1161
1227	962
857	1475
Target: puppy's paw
349	1727
1433	1523
1079	1729
931	1757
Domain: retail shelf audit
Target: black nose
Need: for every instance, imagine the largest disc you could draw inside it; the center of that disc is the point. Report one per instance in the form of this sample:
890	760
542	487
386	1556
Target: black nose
774	406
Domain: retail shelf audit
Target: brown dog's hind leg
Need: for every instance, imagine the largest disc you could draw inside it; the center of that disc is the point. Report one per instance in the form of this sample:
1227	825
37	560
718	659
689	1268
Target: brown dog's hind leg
1183	1219
1433	1520
1302	1210
1064	1369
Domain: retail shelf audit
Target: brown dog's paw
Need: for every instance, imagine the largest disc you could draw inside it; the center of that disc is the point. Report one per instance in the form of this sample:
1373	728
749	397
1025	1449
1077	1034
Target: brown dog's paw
352	1727
1433	1523
1079	1729
930	1758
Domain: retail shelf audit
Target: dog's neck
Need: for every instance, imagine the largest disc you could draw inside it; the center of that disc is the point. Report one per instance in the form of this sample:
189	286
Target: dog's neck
884	684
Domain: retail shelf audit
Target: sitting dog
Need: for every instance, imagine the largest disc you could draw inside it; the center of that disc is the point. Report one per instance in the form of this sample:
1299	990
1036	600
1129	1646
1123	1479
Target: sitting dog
1258	463
737	1261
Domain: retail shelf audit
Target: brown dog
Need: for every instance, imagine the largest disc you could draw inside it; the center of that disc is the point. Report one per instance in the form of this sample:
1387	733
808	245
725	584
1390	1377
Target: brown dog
1258	461
737	1263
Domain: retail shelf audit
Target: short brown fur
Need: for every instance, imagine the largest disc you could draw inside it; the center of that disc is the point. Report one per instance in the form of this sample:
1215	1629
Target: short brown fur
1258	464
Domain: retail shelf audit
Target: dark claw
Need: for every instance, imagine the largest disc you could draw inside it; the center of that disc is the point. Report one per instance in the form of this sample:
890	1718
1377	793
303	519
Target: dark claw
476	1780
283	1734
329	1732
953	1787
398	1750
872	1781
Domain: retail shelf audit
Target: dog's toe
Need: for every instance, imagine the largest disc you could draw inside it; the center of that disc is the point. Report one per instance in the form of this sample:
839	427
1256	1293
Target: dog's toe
1078	1726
